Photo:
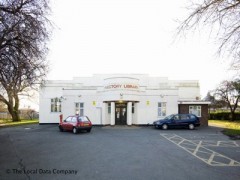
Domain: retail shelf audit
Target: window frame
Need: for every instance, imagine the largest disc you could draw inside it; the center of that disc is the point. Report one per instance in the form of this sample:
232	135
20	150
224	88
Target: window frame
162	109
195	108
55	105
79	108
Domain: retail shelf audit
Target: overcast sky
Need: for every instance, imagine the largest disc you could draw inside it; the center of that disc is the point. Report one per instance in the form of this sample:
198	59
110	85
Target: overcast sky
130	36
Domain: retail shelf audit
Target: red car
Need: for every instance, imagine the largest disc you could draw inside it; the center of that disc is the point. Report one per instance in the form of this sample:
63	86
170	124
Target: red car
75	124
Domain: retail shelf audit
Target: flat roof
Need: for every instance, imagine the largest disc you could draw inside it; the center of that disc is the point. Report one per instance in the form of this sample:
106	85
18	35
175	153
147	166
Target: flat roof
194	102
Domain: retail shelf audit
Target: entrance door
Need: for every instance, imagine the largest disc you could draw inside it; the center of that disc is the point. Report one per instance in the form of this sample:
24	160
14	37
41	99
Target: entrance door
121	114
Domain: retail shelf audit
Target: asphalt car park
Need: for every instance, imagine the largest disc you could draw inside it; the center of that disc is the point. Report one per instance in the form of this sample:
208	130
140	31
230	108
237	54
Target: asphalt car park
119	152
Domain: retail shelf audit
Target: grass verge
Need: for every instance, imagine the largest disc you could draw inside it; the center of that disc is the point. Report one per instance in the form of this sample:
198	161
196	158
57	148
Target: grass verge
8	123
231	129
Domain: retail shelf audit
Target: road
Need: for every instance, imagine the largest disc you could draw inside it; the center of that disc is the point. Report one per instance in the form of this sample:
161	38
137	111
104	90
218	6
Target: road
120	152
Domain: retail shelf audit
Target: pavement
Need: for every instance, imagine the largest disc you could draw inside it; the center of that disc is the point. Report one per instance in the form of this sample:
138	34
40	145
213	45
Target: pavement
119	152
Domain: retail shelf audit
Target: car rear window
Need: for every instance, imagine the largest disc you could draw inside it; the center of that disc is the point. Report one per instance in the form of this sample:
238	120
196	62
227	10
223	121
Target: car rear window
192	116
83	119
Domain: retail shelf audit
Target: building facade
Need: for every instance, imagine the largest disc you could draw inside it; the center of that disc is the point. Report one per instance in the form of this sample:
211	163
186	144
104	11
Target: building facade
120	99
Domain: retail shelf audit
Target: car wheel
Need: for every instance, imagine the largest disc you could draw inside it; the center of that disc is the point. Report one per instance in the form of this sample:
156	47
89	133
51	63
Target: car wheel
60	129
164	126
75	131
191	126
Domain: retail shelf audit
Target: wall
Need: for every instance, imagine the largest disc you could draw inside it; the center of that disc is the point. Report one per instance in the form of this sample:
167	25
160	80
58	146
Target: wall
45	114
184	109
97	90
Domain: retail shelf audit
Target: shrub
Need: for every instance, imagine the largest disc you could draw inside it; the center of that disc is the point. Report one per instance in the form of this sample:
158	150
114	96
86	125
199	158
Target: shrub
223	115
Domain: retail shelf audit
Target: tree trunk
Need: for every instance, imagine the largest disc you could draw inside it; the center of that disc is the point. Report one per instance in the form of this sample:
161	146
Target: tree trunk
233	116
14	113
15	116
13	105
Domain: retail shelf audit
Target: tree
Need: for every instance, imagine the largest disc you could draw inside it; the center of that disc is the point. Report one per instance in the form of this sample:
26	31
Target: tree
223	17
215	103
2	107
229	92
24	32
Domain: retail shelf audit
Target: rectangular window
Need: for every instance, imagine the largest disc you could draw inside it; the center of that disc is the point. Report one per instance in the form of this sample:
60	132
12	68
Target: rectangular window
56	105
109	108
79	108
162	109
196	110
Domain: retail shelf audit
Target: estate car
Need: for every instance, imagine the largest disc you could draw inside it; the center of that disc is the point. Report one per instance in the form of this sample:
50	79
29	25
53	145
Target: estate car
178	120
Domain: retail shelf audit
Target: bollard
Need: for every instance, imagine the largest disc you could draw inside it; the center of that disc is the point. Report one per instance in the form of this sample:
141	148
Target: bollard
61	118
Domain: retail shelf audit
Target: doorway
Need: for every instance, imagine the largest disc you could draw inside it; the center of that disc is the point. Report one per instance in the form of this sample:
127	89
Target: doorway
121	113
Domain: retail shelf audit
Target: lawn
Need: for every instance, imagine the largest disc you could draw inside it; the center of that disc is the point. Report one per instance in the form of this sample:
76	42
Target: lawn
231	129
7	123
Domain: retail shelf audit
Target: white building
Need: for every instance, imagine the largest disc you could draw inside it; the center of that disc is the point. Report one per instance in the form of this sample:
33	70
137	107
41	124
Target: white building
115	99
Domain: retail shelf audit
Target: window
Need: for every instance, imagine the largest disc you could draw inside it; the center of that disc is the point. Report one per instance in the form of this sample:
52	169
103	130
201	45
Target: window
74	119
56	105
192	117
109	108
176	118
79	109
184	117
69	119
83	119
161	109
196	110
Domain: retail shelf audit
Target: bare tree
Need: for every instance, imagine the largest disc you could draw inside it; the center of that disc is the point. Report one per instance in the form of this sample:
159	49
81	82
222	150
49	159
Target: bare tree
215	103
223	17
229	92
2	107
24	32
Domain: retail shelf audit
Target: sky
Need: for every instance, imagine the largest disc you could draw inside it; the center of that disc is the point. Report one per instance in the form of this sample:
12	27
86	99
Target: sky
132	37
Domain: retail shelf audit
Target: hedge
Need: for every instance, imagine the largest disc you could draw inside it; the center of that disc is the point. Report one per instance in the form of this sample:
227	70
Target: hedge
223	115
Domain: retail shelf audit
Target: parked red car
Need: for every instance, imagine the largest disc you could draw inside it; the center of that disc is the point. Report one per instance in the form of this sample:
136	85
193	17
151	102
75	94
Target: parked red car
75	124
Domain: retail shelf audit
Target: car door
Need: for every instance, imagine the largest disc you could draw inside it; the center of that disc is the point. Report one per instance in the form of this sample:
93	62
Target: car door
73	123
184	120
174	121
67	123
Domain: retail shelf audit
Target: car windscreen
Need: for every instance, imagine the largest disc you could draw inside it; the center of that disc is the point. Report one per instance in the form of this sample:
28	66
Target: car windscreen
168	117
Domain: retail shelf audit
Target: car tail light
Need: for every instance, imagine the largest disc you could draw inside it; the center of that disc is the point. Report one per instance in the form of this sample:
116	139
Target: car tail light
84	124
80	124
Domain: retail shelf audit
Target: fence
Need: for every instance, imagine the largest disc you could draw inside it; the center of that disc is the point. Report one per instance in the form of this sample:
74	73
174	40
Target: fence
23	115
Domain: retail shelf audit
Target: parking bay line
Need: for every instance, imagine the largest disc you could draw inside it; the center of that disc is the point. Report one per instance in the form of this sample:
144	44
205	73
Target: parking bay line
218	143
208	156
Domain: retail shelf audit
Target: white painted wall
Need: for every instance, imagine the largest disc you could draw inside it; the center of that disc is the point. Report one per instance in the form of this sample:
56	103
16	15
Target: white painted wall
92	92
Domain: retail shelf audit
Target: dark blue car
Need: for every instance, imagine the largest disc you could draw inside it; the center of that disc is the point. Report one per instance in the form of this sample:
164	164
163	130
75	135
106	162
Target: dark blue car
189	121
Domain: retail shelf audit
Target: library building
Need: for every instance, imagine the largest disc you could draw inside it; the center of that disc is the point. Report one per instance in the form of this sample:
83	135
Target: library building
120	99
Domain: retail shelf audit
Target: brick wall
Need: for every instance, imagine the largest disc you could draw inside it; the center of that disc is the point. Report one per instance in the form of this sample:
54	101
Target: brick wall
184	109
